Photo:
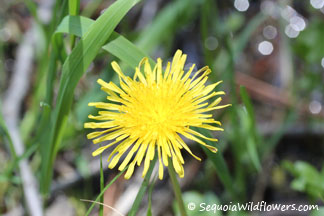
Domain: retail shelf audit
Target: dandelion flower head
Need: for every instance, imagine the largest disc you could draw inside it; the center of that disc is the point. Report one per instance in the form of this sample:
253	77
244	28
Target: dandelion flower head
153	111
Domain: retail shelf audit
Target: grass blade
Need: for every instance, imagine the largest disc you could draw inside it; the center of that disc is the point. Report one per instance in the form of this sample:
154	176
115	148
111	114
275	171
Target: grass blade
73	69
254	134
103	191
74	7
143	188
150	192
4	133
118	45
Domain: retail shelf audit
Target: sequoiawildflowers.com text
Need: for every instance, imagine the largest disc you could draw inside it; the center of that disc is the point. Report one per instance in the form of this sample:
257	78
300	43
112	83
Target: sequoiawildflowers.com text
251	206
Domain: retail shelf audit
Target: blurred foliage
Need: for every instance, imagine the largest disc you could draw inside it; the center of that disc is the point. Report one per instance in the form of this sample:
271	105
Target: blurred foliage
320	212
309	45
307	179
194	199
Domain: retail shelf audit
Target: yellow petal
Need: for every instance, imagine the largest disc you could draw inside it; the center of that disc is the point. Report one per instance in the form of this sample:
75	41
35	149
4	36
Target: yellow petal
101	149
98	133
189	136
112	86
148	158
117	69
129	156
129	171
160	164
109	136
200	135
94	125
141	152
159	71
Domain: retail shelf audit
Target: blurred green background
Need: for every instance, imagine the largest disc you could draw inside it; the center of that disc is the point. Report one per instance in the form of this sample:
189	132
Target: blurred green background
270	55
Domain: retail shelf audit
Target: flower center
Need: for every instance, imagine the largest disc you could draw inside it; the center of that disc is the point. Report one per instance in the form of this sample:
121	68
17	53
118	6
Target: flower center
155	109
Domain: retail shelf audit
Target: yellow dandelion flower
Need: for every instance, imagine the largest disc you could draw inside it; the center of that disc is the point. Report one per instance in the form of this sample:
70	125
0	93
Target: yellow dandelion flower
152	111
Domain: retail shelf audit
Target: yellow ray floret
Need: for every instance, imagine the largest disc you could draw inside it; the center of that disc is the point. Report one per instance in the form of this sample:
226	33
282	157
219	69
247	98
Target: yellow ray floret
152	111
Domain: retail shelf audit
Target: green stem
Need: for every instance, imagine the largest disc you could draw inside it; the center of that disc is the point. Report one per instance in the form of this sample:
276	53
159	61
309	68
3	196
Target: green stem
101	186
176	189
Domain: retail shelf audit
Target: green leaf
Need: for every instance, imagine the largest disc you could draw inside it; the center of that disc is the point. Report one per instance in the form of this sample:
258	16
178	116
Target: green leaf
307	178
74	67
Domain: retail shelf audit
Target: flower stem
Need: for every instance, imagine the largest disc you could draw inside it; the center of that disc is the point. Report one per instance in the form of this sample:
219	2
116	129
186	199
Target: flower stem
102	184
176	189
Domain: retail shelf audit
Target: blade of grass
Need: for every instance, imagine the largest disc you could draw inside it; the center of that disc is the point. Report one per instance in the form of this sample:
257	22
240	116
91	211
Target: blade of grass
58	12
253	132
103	191
143	188
150	192
48	64
117	45
74	7
236	142
4	132
125	50
248	104
73	69
208	11
7	174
